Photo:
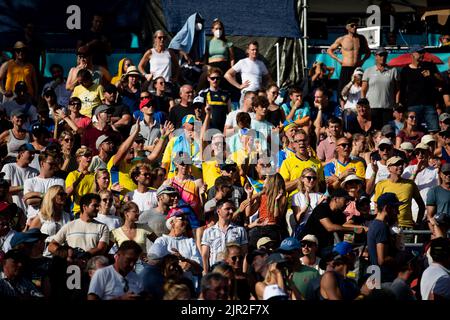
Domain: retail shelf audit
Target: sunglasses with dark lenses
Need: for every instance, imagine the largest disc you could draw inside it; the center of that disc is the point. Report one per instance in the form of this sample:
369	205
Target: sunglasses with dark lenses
19	50
144	97
385	148
311	178
106	200
75	104
230	169
345	145
307	244
214	78
235	258
412	117
62	194
352	25
161	37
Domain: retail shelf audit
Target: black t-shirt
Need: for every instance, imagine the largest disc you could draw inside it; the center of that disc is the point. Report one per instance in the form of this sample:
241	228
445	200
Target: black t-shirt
161	103
415	88
352	126
314	227
275	117
178	112
218	100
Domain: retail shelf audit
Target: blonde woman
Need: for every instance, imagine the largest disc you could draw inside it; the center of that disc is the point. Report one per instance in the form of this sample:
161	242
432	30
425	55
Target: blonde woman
273	276
51	216
106	212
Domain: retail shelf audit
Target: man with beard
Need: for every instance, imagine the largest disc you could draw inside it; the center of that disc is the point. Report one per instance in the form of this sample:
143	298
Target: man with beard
141	174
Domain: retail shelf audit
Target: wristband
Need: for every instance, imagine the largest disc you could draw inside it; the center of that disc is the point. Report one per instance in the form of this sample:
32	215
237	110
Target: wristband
163	137
355	229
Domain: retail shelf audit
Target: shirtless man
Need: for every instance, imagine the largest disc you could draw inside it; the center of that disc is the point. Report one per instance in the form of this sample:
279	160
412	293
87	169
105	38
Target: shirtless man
352	46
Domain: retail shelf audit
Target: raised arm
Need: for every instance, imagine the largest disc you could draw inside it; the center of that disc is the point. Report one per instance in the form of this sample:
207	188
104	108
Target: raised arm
126	145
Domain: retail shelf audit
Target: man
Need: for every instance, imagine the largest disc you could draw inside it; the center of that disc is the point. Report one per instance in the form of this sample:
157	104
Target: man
327	218
185	142
215	238
218	99
102	126
290	128
214	286
120	114
184	108
223	188
353	46
149	128
118	281
21	102
406	190
377	170
323	110
444	121
440	253
327	147
105	147
380	86
167	197
35	188
438	202
380	243
296	109
84	233
310	245
253	71
247	106
90	94
177	243
16	173
337	170
262	127
7	211
292	168
423	174
417	88
141	174
58	84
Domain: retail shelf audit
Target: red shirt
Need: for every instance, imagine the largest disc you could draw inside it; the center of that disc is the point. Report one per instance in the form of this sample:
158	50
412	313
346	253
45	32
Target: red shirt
91	134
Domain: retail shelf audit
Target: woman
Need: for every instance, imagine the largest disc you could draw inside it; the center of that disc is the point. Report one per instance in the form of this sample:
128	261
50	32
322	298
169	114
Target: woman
354	187
351	93
162	101
106	212
359	148
15	137
275	114
80	182
271	205
74	114
121	70
51	216
410	132
130	230
163	62
130	89
305	200
363	123
373	140
272	276
67	140
220	50
228	272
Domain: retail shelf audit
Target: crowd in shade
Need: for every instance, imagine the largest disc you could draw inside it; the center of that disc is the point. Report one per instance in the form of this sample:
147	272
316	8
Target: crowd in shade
191	175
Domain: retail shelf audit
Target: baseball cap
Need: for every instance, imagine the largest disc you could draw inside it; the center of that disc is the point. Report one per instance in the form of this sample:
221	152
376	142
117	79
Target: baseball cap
227	164
385	141
27	147
276	257
263	241
288	124
102	108
427	139
38	128
422	146
30	236
380	51
259	252
407	146
6	209
190	118
363	102
393	160
340	193
49	92
83	51
444	116
445	167
140	137
19	45
289	244
417	48
358	71
165	189
182	158
146	102
388	198
352	20
198	100
18	113
173	215
311	238
20	86
273	291
440	248
100	140
387	129
342	248
351	177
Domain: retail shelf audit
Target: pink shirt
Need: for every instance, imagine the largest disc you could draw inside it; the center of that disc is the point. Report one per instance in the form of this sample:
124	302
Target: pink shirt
325	150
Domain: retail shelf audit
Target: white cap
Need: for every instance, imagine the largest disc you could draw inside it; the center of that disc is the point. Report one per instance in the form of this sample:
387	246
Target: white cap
311	238
351	177
408	146
385	141
427	139
273	290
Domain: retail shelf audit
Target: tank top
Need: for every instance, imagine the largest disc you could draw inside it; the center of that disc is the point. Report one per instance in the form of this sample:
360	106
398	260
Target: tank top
265	212
161	64
13	143
189	193
16	73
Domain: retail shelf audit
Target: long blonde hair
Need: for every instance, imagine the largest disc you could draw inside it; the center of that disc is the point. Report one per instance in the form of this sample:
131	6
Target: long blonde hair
272	188
47	207
301	186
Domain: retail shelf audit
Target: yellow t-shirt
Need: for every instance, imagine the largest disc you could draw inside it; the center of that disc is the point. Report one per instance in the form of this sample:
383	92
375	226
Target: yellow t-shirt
292	167
118	236
210	171
404	189
85	186
337	168
120	174
90	98
168	157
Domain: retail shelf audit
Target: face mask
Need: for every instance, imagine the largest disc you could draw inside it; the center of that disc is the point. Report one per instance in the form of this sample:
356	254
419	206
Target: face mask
217	33
198	26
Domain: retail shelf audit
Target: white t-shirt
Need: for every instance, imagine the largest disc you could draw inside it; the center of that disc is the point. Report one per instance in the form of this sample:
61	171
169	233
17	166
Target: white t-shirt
38	184
425	180
112	222
353	96
145	201
231	118
81	234
252	71
382	173
108	284
429	278
16	177
5	241
299	200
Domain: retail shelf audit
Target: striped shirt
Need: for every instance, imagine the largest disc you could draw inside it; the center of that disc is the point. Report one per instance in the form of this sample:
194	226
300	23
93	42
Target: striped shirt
217	240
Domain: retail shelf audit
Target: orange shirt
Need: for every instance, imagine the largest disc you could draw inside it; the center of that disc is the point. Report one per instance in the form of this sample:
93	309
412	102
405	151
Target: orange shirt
16	73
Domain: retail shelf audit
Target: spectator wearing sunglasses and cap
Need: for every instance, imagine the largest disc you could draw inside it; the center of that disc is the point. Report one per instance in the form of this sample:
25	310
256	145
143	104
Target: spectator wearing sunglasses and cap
21	102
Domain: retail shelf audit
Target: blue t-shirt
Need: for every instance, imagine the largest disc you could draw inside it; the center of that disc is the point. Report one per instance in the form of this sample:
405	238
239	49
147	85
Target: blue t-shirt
300	113
378	233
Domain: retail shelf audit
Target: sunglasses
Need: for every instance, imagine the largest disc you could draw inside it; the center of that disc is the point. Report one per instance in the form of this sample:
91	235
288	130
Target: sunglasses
144	97
68	139
19	50
307	244
146	174
214	78
236	258
352	25
310	178
62	194
106	200
265	165
75	104
345	145
385	148
411	117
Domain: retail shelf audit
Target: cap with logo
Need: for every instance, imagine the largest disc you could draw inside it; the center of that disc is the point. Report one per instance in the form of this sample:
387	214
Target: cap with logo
190	118
444	116
385	141
289	244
